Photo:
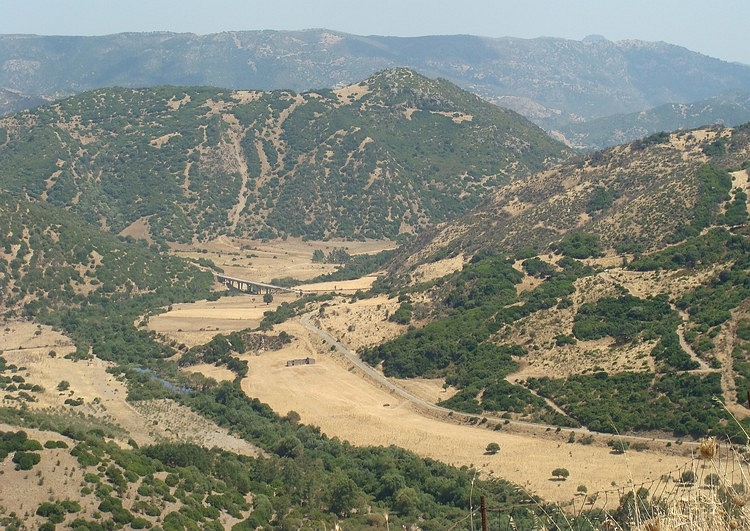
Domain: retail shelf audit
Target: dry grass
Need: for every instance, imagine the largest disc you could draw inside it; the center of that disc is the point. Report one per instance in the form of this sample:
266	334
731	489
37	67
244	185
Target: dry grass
715	500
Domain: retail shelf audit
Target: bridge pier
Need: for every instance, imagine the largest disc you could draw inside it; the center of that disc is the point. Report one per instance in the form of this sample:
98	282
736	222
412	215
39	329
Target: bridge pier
255	288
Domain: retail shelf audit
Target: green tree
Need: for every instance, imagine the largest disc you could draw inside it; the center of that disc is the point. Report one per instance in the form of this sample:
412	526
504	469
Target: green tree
343	494
26	460
289	446
267	298
561	474
493	448
619	446
406	501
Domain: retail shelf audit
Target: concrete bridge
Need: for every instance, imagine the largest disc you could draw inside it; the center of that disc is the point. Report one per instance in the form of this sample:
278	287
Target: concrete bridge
250	286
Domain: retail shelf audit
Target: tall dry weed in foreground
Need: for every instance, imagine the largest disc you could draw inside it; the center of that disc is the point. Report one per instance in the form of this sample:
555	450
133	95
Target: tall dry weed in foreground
709	495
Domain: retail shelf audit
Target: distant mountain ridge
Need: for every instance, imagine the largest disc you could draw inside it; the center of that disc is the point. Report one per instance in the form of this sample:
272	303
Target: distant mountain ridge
725	109
553	82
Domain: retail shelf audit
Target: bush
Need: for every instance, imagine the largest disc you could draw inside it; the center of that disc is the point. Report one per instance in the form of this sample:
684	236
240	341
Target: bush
619	446
26	460
53	512
688	476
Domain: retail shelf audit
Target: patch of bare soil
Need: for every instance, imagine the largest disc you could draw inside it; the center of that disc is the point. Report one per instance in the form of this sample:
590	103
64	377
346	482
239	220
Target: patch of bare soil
32	338
439	269
434	390
139	230
98	394
645	283
166	419
741	180
362	323
351	93
220	374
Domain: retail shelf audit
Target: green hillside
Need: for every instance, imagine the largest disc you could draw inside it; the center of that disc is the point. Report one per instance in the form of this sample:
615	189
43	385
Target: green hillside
636	313
387	156
93	285
635	198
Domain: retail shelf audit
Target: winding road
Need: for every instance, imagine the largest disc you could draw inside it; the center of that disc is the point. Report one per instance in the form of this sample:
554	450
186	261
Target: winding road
443	412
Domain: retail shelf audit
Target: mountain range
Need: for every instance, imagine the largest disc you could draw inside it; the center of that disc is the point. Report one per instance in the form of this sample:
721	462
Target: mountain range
559	84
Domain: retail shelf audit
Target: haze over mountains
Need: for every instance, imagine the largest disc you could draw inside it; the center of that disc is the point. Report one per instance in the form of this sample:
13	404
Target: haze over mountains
559	84
606	292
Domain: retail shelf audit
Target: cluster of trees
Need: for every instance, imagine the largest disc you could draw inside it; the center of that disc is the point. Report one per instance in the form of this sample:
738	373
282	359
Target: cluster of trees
224	349
24	450
579	245
336	256
461	346
715	246
678	402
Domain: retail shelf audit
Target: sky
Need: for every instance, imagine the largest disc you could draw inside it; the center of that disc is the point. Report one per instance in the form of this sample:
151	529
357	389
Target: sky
715	28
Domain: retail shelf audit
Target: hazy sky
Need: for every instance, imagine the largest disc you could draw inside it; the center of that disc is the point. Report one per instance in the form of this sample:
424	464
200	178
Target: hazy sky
716	28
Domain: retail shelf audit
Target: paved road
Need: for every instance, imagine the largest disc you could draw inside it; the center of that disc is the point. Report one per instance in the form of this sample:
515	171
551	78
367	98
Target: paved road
443	411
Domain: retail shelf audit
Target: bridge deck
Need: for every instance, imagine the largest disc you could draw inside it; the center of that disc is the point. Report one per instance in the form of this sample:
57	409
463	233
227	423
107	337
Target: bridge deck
260	286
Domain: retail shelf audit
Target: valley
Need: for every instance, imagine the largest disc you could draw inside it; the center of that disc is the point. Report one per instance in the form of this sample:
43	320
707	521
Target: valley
335	395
